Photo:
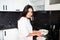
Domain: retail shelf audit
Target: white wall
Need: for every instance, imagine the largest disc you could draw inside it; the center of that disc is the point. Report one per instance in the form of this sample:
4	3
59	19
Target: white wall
51	7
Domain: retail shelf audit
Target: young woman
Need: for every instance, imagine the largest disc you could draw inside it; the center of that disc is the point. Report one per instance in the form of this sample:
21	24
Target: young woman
24	25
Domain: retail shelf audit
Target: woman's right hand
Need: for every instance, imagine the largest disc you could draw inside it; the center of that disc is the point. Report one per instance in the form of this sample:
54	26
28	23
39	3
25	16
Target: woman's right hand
34	33
37	33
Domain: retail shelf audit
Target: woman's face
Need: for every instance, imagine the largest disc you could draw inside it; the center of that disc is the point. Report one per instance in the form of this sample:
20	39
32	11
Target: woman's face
30	13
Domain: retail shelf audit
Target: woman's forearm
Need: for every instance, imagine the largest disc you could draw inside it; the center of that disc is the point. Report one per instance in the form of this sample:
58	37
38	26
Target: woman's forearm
34	33
31	34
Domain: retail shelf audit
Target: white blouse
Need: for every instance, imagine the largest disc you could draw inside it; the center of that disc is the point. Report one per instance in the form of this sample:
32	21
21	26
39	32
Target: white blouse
24	28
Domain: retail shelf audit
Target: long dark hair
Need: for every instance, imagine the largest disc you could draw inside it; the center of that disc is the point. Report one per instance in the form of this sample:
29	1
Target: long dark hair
25	10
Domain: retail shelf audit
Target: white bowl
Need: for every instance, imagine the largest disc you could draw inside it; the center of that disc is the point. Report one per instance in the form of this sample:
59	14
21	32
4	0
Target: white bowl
40	38
43	31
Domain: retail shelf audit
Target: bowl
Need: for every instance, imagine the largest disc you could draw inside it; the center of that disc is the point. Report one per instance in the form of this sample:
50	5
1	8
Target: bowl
44	31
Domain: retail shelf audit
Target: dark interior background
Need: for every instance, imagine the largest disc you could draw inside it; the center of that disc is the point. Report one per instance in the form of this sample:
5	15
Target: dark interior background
42	20
47	20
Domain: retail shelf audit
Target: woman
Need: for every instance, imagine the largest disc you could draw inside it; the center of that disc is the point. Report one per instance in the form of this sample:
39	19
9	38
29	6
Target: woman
24	25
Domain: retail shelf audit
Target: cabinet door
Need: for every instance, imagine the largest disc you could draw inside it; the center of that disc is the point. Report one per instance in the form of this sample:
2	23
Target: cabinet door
13	5
10	34
1	35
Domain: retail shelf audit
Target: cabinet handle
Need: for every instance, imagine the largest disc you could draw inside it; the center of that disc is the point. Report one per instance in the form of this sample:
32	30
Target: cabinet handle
4	7
5	33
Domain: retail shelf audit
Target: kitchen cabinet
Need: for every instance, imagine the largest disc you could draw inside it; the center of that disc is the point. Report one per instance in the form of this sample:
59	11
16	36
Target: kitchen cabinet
38	5
13	5
16	4
49	6
9	34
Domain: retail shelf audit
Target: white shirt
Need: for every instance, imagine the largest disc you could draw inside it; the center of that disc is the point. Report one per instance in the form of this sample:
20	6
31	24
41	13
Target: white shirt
24	28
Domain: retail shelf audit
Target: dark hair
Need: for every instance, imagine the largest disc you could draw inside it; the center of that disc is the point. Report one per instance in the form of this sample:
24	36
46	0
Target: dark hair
25	10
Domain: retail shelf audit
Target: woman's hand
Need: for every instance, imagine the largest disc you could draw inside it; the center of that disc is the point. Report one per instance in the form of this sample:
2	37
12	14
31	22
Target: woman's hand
38	33
34	33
